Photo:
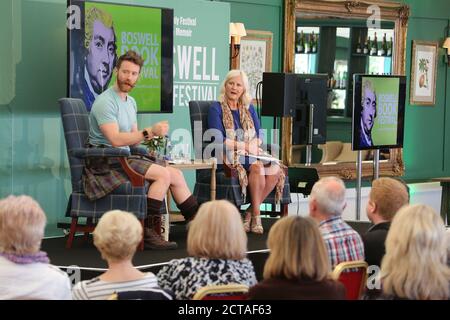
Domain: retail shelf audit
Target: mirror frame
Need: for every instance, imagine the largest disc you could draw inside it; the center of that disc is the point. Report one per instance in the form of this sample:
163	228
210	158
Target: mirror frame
389	11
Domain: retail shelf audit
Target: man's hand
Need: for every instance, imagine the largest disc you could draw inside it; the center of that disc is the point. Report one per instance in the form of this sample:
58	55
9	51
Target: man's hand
161	128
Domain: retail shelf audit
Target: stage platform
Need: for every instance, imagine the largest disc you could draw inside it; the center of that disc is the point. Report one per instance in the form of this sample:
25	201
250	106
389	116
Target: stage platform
83	255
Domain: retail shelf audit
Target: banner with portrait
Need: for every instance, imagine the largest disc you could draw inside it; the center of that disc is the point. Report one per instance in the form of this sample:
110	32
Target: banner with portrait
107	31
378	114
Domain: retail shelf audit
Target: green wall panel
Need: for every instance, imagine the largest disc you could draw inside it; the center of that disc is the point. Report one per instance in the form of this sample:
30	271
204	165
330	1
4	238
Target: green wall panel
426	145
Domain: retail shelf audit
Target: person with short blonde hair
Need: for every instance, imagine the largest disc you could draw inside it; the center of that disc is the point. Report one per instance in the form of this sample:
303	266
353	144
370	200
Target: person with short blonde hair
245	99
415	265
386	197
298	266
233	121
326	204
217	246
116	236
25	271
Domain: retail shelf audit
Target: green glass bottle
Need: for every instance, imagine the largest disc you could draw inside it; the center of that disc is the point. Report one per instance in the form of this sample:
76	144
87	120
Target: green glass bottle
366	46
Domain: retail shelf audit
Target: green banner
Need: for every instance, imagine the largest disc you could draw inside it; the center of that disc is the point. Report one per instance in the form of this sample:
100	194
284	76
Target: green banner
139	29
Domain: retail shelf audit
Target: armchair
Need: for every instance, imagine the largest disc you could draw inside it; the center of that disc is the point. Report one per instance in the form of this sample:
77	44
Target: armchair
227	183
130	196
338	151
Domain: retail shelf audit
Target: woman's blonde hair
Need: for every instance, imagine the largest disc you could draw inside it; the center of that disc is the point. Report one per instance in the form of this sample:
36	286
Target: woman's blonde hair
245	99
415	264
297	250
217	232
117	235
22	224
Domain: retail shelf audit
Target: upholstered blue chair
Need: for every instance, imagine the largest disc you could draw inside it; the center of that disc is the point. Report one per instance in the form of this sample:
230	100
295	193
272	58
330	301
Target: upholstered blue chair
227	182
130	196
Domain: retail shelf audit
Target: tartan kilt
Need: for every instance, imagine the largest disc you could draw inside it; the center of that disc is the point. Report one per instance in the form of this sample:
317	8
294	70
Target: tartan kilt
102	178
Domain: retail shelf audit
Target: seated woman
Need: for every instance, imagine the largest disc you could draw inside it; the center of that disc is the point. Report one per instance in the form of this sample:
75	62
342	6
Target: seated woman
217	245
117	236
415	264
237	124
298	265
25	272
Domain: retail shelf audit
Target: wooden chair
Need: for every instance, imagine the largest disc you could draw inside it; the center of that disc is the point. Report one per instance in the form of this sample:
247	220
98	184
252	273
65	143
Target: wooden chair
353	274
232	291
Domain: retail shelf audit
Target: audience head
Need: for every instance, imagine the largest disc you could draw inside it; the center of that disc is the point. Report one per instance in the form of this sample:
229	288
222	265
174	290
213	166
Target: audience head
297	250
327	198
217	232
415	264
117	235
386	197
242	94
22	224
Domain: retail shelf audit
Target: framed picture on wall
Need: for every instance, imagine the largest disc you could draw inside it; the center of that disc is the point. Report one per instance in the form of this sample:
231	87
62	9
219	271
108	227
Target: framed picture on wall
255	57
423	72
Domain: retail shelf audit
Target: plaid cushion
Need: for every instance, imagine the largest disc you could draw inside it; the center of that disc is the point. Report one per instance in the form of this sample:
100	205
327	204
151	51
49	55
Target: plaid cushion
226	188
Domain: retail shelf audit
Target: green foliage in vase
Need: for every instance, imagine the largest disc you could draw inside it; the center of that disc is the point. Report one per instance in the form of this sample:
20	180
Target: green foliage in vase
155	145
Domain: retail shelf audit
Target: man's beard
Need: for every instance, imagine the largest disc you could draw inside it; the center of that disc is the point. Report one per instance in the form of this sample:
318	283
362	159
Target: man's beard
125	86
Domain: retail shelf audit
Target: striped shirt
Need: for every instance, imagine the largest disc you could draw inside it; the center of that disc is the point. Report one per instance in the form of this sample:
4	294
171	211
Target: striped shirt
342	242
97	289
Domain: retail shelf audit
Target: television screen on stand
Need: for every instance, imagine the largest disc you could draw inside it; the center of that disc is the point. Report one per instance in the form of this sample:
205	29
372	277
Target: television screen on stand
378	111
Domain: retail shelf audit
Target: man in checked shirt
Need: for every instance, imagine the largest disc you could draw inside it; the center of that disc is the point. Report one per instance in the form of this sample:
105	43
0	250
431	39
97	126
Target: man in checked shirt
326	204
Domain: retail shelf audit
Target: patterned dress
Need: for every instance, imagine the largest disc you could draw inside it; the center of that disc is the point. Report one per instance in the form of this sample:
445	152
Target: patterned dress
185	276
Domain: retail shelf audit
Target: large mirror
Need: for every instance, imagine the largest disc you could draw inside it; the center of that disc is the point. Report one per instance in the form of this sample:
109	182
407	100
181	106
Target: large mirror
338	39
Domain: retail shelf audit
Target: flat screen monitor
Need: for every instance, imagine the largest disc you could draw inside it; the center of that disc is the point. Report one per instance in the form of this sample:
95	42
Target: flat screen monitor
378	111
99	32
311	89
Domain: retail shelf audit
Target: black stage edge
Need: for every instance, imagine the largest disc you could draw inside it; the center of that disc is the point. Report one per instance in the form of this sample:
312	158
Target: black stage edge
84	256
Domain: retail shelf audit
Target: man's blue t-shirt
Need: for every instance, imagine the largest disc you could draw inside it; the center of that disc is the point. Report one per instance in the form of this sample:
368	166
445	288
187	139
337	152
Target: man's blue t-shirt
110	108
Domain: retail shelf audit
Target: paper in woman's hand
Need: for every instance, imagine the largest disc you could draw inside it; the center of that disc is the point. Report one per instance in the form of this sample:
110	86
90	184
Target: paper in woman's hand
263	156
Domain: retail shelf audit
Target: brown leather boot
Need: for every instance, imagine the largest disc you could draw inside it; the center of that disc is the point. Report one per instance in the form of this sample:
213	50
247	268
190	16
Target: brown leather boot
152	236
